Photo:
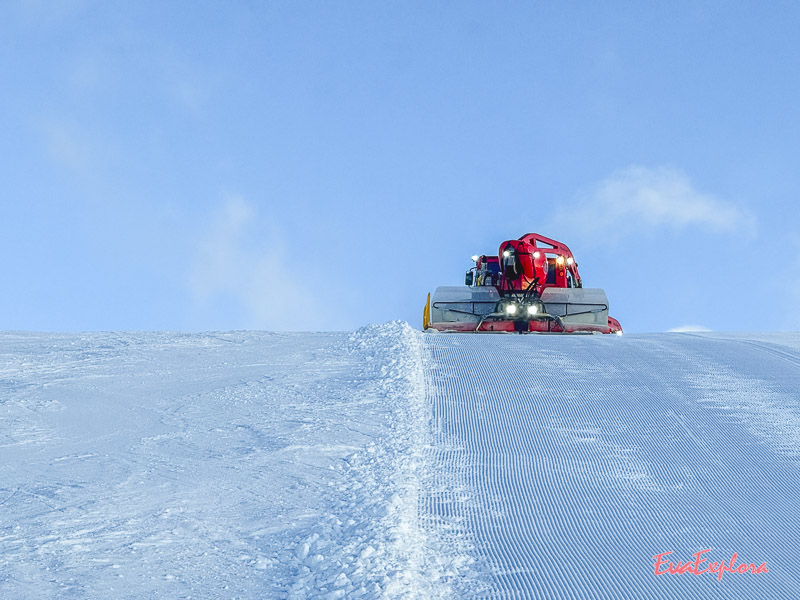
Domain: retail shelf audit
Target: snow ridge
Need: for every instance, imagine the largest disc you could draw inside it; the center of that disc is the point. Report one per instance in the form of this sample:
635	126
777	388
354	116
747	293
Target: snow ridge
372	544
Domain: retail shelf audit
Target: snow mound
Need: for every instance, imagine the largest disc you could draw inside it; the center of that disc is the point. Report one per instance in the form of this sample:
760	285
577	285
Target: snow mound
372	545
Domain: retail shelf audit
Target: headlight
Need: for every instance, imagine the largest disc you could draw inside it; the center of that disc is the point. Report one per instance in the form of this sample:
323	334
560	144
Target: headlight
507	253
475	258
619	332
536	255
511	309
533	309
570	260
560	260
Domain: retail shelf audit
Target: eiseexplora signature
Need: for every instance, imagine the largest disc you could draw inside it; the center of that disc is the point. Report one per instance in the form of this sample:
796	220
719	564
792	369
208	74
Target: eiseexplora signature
695	566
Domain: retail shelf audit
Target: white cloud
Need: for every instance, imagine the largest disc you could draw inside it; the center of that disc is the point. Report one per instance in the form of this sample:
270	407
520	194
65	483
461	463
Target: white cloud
642	199
242	263
688	329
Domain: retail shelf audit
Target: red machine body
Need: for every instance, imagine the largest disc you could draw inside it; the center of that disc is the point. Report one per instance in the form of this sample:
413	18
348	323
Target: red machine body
534	257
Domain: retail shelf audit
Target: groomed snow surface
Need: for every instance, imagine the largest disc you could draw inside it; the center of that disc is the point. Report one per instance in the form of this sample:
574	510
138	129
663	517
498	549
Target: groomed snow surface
388	463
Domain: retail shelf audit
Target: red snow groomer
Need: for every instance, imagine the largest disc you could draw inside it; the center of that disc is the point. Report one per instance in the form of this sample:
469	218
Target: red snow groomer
532	285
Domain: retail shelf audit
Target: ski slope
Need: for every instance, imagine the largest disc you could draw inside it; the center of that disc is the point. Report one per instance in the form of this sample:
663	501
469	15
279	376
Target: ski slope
564	465
387	463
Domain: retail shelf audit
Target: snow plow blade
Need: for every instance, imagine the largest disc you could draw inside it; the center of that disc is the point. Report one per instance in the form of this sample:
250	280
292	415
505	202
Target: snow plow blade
468	309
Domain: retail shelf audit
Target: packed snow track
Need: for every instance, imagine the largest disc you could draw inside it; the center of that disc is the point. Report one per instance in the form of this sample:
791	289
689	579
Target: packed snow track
563	465
388	463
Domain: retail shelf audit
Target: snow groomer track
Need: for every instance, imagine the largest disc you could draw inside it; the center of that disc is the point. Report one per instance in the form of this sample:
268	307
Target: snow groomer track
563	465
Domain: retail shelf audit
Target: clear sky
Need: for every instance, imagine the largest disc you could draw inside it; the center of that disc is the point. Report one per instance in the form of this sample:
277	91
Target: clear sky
323	165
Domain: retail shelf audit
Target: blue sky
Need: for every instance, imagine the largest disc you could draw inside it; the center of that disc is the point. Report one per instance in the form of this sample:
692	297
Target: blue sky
323	165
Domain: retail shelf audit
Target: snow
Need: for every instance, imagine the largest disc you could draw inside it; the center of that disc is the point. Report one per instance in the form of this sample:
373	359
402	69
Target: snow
579	459
237	465
388	463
